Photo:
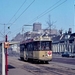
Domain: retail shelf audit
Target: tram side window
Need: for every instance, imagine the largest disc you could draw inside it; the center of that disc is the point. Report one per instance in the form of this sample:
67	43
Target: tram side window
22	47
50	45
36	45
30	46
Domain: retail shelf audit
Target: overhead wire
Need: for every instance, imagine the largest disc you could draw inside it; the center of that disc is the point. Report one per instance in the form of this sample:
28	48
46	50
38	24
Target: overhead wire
14	14
45	12
22	12
3	34
48	10
17	10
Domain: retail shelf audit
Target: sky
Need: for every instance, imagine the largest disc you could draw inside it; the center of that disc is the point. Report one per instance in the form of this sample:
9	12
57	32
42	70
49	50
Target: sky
17	13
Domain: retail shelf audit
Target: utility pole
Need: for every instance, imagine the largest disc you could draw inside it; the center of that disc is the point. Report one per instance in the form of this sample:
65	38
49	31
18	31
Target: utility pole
50	24
4	30
6	45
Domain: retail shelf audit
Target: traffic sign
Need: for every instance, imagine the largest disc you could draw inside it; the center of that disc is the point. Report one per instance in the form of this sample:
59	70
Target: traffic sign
6	45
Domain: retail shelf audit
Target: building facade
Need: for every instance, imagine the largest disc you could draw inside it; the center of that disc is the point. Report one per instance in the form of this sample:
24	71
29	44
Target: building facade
36	26
64	44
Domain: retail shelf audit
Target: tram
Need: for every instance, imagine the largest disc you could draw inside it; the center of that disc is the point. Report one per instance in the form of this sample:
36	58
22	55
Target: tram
39	48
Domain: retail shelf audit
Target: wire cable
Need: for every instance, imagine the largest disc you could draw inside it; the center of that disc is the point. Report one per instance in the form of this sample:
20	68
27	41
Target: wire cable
3	34
44	13
17	11
22	12
46	10
14	14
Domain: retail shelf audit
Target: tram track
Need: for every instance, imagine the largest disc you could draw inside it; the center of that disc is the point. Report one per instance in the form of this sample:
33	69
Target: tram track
48	70
58	71
43	69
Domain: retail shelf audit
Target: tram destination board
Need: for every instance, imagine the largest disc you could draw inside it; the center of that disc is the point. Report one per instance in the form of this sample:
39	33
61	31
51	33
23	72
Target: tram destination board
0	58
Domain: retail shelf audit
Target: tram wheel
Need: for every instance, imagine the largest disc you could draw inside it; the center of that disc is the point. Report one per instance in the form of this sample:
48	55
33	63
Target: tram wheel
21	58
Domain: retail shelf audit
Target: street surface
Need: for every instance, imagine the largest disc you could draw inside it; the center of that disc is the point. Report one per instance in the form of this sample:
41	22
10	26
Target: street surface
66	60
55	67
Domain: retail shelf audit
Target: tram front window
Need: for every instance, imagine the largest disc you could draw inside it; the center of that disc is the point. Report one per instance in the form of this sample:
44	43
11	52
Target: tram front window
42	45
46	45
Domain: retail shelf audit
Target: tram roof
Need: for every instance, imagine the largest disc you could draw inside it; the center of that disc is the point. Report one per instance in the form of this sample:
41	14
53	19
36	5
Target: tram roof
37	39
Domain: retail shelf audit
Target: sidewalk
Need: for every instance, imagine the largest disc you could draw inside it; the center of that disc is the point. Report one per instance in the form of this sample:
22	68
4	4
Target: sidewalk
18	71
57	56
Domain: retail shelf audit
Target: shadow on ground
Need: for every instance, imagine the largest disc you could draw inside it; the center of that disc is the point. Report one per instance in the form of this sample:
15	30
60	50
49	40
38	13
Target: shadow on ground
10	67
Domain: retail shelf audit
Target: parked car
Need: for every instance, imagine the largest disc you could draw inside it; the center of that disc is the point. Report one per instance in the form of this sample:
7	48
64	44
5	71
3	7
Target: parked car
68	54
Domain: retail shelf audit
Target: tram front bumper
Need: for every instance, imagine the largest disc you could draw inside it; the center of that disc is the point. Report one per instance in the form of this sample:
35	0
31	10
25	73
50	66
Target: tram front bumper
45	59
